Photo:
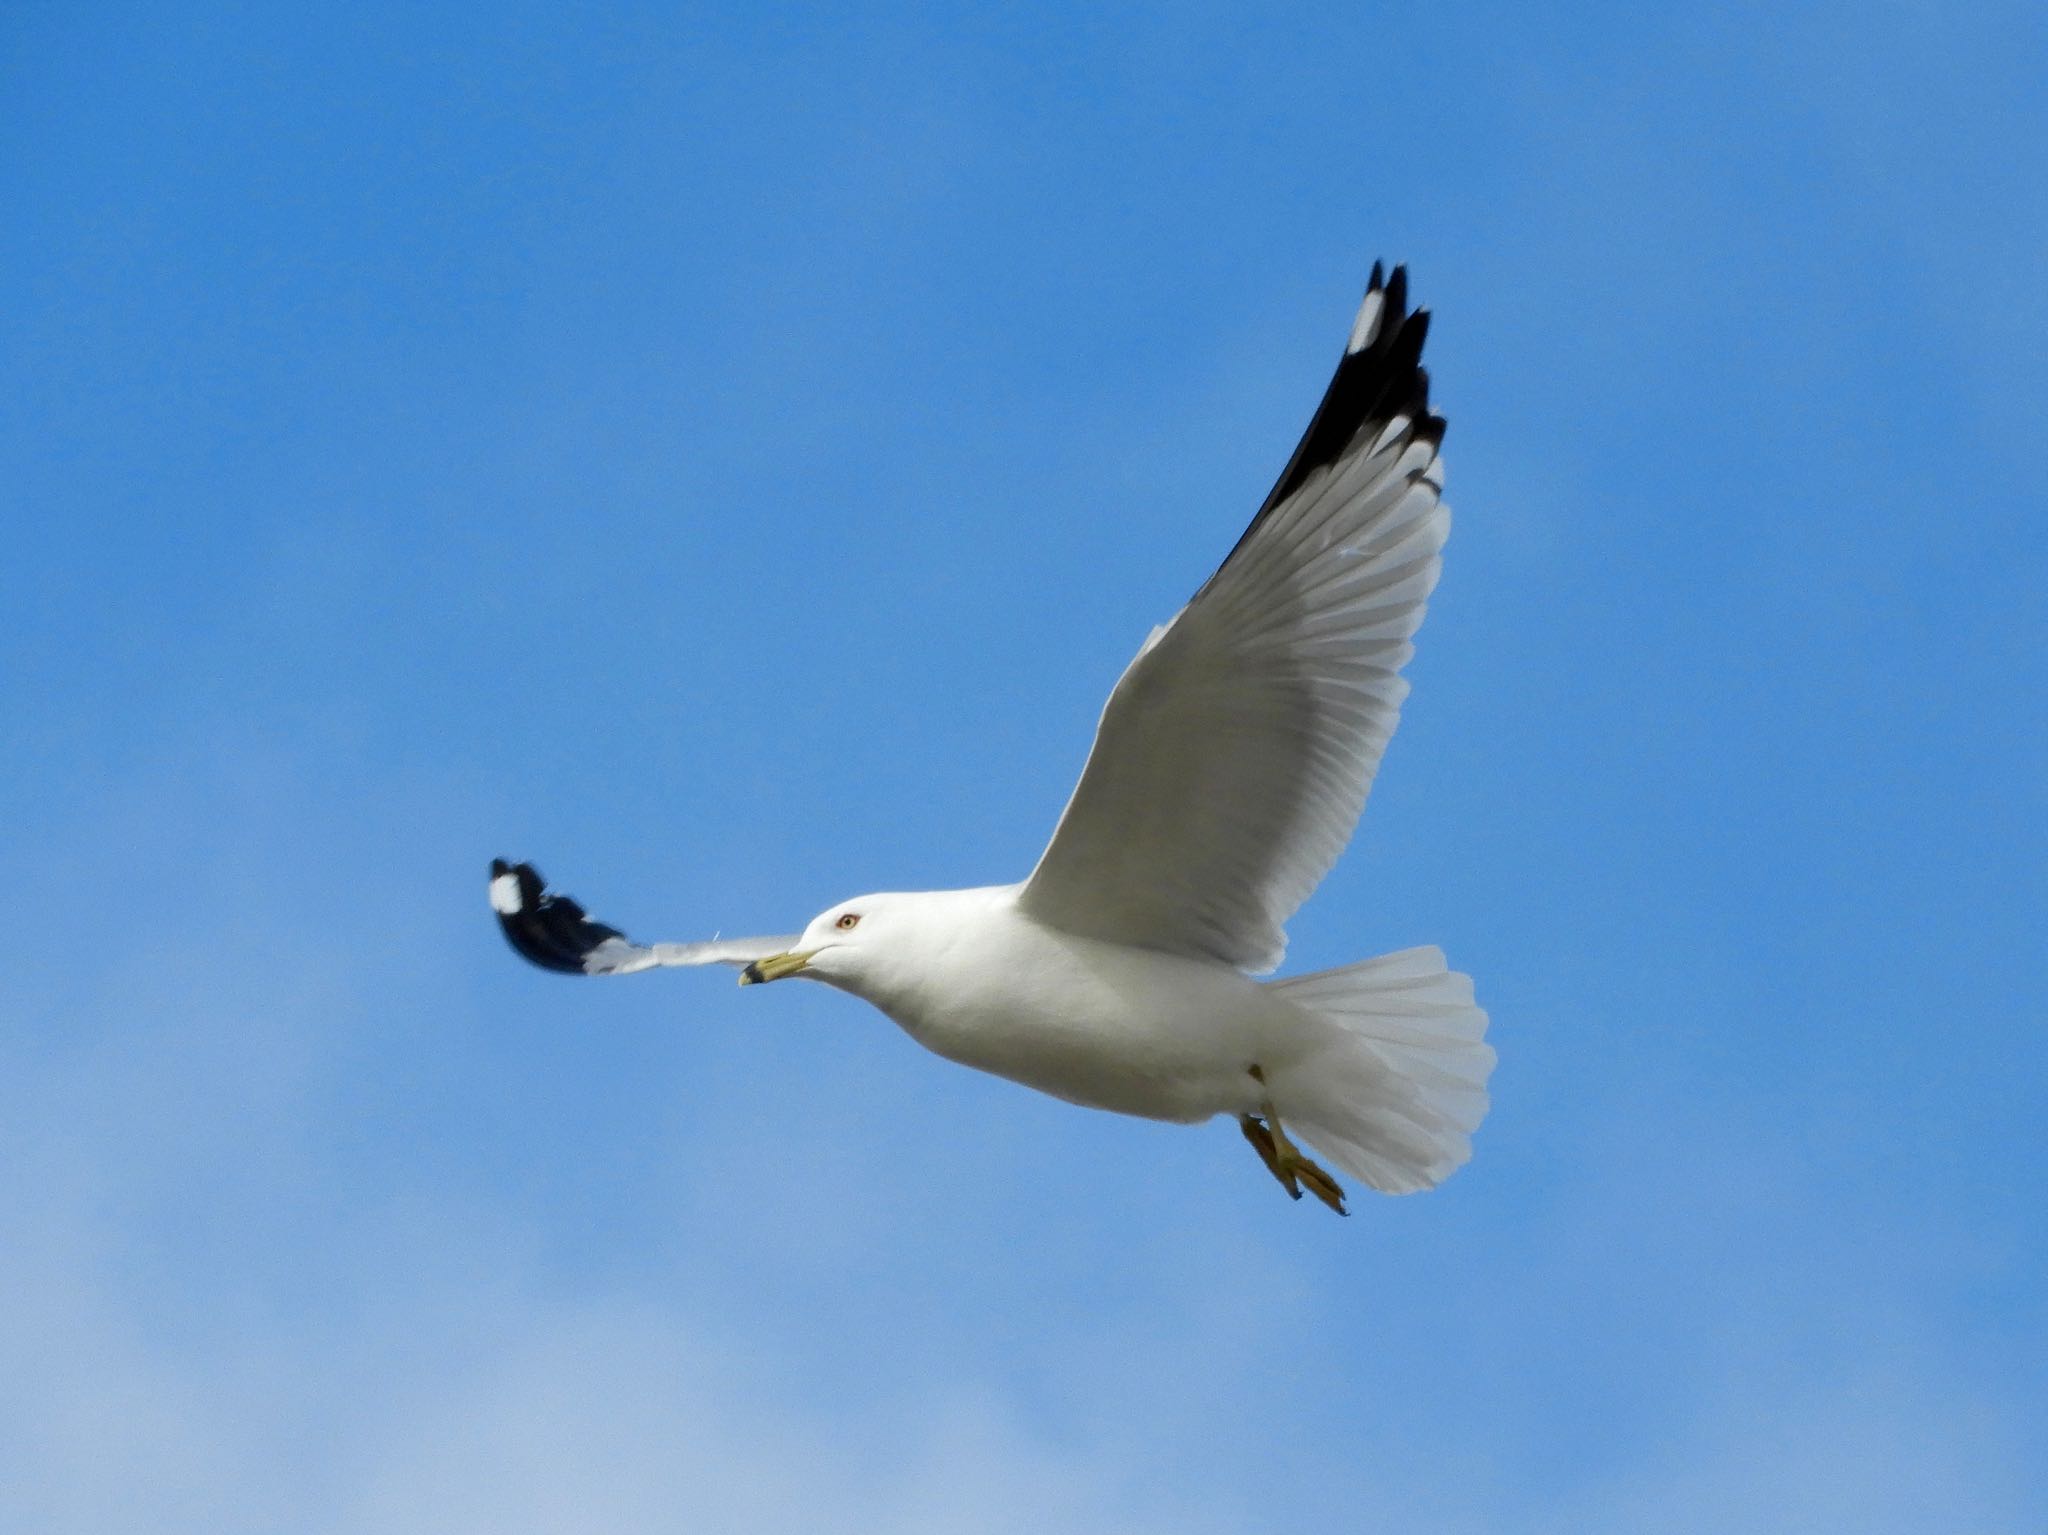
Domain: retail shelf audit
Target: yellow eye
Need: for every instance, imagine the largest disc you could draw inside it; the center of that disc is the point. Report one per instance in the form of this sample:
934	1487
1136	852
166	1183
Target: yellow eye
851	919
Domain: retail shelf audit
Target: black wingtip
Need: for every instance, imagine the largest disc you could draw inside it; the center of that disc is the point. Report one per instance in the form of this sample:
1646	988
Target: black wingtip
1384	378
1397	293
545	929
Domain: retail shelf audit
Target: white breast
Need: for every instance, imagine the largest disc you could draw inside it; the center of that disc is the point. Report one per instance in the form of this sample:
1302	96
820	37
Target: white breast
1113	1027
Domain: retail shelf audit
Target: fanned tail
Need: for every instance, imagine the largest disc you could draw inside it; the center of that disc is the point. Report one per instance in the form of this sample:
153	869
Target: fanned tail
1399	1084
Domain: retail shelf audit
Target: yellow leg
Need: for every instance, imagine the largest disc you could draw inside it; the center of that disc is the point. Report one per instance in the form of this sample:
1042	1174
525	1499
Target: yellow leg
1261	1138
1286	1161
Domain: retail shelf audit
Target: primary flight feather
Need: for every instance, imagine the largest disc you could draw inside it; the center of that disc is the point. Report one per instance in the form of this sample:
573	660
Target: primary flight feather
1230	767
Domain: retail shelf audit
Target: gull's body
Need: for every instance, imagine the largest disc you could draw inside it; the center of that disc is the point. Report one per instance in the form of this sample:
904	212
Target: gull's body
972	978
1231	764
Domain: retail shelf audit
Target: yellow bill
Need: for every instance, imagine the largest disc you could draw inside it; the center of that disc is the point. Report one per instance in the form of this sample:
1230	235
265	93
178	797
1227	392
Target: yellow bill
775	967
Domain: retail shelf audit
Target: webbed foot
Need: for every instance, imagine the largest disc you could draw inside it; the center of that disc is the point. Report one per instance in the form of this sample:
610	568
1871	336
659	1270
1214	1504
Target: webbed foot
1286	1162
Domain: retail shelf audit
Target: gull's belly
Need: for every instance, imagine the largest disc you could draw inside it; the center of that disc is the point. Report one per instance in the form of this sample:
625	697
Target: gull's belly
1130	1030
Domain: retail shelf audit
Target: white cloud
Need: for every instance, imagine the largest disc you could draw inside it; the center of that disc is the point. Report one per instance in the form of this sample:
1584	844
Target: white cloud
223	1315
468	1388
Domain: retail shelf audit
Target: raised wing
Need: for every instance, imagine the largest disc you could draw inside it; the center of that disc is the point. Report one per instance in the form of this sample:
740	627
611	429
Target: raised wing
553	932
1234	756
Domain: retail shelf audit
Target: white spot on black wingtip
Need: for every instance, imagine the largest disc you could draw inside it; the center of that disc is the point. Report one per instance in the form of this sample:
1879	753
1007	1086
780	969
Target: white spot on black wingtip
1367	326
550	930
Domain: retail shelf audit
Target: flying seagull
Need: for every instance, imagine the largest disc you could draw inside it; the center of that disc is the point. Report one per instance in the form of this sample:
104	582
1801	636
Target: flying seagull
1230	766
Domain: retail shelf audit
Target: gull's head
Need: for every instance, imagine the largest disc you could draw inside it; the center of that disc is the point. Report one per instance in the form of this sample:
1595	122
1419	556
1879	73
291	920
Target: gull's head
886	947
841	943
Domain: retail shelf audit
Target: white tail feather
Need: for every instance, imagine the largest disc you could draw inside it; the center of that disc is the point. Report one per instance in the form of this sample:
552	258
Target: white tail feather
1399	1084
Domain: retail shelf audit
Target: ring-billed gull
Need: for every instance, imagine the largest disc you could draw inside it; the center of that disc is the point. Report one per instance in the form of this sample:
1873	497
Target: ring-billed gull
1229	769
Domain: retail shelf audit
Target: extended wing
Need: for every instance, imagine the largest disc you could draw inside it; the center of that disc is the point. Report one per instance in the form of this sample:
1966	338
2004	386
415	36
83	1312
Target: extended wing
1234	756
553	932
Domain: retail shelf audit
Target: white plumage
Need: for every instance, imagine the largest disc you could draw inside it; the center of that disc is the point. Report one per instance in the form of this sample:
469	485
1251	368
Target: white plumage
1230	766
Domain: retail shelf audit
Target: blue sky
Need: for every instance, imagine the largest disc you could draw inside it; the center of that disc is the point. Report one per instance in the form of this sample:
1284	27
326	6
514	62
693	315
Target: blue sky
726	457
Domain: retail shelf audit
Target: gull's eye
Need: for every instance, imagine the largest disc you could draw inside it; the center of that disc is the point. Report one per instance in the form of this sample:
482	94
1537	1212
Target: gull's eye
851	919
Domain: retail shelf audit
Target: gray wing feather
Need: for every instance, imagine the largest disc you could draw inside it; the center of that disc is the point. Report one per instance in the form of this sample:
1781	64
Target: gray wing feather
1235	754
